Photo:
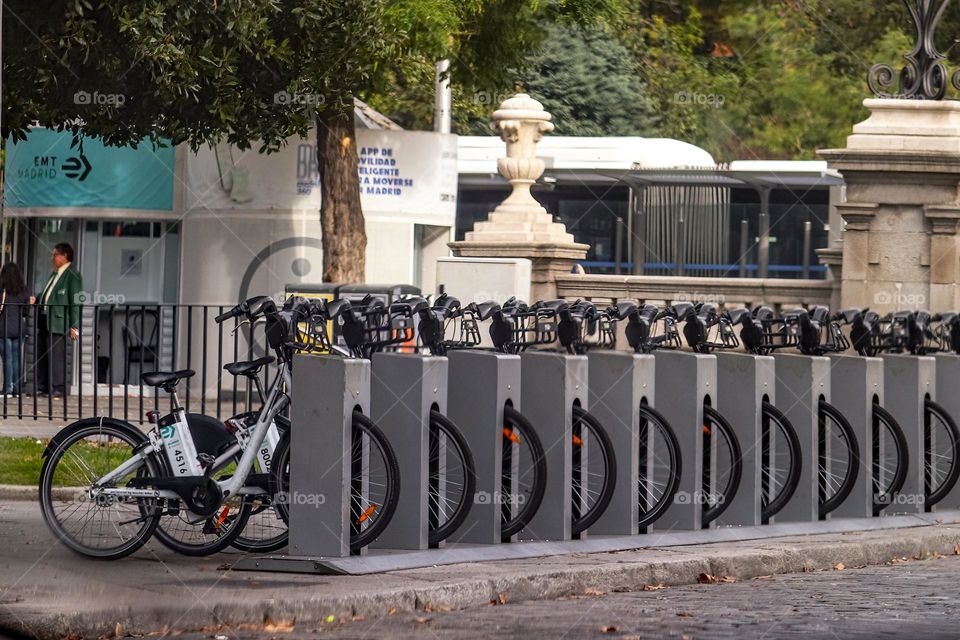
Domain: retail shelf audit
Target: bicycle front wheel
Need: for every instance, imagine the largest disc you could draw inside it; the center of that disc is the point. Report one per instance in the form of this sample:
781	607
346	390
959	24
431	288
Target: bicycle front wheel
452	478
838	457
523	475
594	470
941	452
90	523
780	463
890	459
660	466
720	482
179	531
266	531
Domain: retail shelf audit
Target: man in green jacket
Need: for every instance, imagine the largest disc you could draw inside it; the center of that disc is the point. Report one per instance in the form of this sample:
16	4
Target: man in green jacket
59	316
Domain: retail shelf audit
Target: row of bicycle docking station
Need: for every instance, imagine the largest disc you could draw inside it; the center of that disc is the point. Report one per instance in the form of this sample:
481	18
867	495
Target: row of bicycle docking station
552	447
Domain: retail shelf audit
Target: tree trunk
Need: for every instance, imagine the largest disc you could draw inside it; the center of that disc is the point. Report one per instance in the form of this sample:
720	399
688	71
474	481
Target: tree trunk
341	218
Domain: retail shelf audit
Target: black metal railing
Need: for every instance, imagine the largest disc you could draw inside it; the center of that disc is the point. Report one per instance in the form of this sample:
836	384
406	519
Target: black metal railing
116	344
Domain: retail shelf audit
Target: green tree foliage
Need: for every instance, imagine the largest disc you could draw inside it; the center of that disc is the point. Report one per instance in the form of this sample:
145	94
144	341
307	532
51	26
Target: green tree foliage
752	79
588	81
198	71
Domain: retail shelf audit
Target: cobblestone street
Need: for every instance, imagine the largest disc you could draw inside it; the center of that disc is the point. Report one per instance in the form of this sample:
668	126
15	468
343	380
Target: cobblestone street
913	599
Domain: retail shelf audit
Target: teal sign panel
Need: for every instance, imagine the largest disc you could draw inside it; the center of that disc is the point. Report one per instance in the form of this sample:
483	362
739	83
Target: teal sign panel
43	171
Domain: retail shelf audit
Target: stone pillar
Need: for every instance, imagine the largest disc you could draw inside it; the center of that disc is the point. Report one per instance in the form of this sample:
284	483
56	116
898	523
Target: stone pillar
520	227
900	245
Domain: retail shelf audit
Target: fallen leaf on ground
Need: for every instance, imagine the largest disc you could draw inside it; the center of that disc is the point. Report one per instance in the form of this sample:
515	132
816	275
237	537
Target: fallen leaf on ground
728	579
392	611
502	598
706	578
609	629
956	549
422	620
118	631
839	566
761	577
282	626
654	587
594	592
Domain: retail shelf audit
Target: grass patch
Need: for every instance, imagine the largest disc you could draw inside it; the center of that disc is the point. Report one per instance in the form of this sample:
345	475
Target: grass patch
20	460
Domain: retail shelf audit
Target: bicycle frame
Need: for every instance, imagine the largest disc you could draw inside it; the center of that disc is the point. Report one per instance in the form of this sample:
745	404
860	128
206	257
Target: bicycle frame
250	446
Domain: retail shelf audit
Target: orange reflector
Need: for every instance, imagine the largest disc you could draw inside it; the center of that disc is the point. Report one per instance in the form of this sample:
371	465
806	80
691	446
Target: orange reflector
222	517
366	514
706	430
577	440
511	436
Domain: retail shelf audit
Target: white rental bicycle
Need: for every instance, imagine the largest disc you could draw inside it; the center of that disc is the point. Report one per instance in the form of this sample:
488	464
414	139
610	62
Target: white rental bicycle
105	485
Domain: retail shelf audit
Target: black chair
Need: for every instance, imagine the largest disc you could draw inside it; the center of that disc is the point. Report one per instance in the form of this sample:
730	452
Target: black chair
140	332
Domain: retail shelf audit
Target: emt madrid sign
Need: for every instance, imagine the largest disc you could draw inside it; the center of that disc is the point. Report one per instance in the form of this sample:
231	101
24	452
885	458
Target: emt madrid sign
47	171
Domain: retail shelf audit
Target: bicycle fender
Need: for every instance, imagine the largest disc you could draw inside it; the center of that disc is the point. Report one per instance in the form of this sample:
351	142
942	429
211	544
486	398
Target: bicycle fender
64	433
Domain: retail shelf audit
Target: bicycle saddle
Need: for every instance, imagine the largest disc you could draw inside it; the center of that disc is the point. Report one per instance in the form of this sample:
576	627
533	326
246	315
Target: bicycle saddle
623	310
685	310
552	305
167	380
763	313
738	316
486	309
447	302
820	314
514	305
247	367
409	306
337	308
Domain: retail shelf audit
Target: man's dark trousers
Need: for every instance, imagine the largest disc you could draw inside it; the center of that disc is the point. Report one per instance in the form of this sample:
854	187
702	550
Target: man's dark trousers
51	359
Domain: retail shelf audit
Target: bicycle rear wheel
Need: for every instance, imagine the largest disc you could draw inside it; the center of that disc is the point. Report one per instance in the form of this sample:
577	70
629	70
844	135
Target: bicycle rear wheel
890	459
719	484
594	470
524	473
96	526
374	481
941	453
781	461
660	466
452	481
838	456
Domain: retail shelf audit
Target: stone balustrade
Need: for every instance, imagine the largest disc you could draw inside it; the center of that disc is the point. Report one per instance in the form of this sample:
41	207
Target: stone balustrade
731	292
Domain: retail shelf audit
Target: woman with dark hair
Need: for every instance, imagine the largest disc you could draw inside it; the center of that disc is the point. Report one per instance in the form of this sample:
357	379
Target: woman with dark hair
13	306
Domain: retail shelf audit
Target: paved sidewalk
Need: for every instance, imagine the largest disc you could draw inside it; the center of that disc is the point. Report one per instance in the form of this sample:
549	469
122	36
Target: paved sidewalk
48	592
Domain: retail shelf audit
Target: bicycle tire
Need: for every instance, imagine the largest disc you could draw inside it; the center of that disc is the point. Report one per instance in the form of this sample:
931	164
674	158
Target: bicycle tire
827	410
71	435
280	480
648	515
269	544
599	437
714	509
950	478
511	524
882	418
772	415
440	423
